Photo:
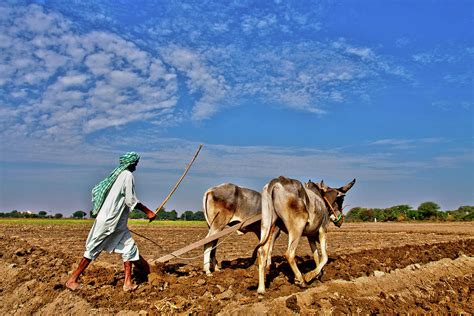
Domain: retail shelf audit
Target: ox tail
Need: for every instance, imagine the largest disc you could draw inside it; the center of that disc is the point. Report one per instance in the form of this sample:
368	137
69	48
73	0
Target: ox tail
268	213
204	206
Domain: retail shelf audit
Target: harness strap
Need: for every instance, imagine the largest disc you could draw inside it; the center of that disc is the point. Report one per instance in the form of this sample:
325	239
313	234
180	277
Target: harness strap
338	218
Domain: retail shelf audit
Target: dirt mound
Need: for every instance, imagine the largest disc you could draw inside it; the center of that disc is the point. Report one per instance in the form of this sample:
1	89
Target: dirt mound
441	287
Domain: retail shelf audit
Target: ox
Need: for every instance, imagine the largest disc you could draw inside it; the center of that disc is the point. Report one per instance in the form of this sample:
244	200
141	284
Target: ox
228	204
299	211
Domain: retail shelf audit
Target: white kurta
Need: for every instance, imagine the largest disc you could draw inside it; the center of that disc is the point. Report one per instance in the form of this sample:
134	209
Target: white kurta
110	231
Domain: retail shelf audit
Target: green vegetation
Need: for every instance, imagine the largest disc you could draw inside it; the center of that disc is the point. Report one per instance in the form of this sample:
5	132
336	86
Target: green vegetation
44	221
79	214
163	215
426	211
71	221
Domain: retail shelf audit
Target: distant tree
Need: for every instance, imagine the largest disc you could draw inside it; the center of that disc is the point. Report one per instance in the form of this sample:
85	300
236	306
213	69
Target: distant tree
92	216
379	214
58	215
42	214
164	215
199	216
136	214
354	214
79	214
173	215
463	213
428	210
187	216
414	215
399	212
367	215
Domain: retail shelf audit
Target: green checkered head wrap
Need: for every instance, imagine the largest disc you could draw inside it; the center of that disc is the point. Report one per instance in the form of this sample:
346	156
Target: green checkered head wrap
99	192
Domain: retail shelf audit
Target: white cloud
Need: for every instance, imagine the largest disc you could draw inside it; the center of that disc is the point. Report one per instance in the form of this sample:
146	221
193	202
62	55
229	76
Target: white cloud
72	80
437	56
200	79
99	63
407	143
362	52
67	84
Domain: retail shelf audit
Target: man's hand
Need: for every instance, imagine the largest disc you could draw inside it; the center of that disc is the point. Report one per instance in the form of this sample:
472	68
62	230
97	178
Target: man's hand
151	216
149	213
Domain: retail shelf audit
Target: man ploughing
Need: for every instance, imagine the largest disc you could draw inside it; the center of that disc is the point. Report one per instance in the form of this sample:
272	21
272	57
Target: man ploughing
113	199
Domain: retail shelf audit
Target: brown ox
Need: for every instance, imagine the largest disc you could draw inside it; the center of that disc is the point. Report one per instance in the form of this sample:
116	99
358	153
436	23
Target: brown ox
299	211
228	204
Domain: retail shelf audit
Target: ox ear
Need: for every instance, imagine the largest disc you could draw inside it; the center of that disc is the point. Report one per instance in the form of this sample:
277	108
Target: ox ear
347	187
321	186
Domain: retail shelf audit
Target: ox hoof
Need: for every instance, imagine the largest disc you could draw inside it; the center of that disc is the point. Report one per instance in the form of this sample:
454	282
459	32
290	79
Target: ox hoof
301	284
308	278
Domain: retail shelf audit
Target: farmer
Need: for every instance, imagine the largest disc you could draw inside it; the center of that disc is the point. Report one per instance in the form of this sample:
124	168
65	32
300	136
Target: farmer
113	198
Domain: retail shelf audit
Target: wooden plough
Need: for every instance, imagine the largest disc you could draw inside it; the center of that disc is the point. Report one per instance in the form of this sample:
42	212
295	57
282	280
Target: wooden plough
208	239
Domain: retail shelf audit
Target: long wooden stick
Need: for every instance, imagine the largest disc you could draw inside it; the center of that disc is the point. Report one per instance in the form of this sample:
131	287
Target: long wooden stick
179	181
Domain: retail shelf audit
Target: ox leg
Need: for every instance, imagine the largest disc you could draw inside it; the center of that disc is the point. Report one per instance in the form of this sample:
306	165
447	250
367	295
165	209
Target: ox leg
314	249
324	257
293	240
274	235
214	263
263	252
207	258
210	253
294	236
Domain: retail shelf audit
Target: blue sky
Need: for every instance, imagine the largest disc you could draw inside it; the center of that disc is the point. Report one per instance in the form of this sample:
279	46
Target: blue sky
381	91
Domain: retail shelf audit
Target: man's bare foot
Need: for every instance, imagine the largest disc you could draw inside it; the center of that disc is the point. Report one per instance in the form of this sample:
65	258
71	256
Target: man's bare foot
73	286
129	288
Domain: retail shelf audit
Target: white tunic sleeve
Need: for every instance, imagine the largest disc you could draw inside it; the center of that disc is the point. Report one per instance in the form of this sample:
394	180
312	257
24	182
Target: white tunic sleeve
131	199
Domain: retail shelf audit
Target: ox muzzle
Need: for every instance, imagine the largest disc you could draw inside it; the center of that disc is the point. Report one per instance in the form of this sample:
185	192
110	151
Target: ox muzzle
337	220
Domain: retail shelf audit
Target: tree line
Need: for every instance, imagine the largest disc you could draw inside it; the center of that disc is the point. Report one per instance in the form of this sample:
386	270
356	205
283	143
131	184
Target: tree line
135	214
41	214
399	213
404	212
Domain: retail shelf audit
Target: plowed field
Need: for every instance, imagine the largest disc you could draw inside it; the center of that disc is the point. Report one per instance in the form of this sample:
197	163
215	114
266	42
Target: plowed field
372	268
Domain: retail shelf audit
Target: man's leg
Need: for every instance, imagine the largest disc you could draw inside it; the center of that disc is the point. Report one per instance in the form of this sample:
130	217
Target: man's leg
72	283
127	284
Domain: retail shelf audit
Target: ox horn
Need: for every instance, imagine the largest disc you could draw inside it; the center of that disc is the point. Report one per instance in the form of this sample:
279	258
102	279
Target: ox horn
347	187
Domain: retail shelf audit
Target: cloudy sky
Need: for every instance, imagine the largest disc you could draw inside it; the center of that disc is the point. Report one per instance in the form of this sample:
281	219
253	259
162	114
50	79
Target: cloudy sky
380	91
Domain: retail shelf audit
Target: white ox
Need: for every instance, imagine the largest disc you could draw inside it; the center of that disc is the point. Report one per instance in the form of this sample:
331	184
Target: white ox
299	211
228	204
